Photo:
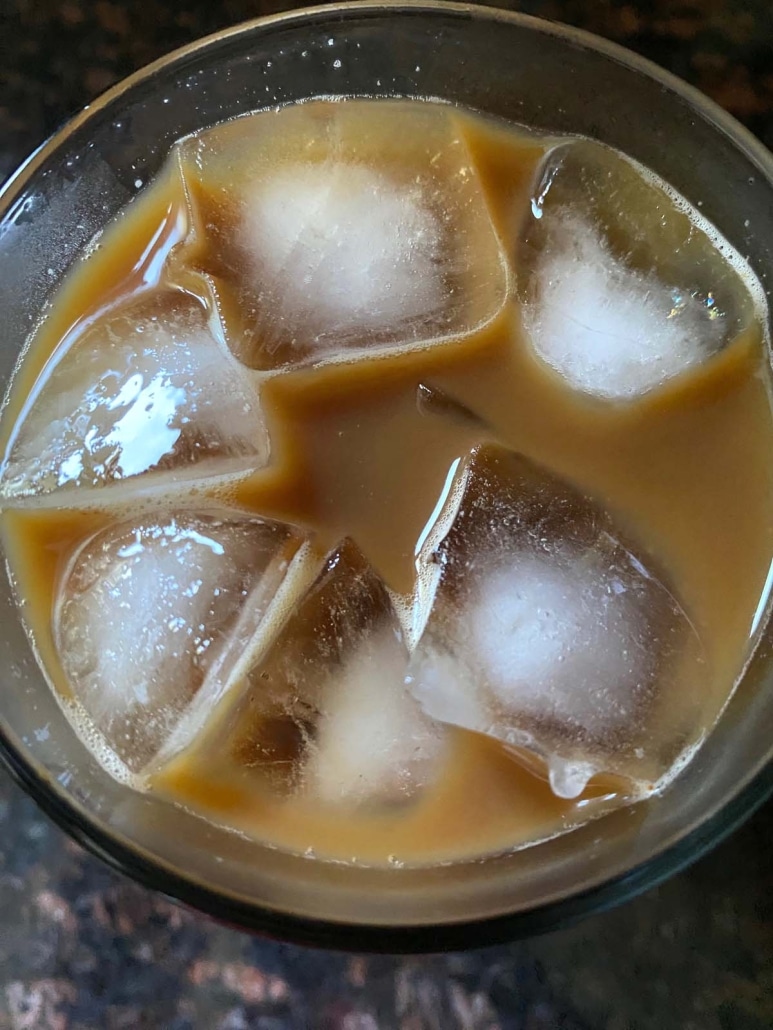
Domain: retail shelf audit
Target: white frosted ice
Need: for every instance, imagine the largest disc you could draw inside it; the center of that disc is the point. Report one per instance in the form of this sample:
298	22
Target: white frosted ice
145	613
342	250
560	640
373	741
145	389
608	329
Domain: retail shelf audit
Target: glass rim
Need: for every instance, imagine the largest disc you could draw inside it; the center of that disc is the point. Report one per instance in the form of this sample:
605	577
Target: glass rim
238	911
754	149
436	937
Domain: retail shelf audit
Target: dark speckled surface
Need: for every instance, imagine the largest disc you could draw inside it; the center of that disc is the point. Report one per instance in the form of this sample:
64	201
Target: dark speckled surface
81	947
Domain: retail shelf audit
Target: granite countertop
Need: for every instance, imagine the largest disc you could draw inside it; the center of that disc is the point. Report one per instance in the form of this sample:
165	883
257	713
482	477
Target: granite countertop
80	947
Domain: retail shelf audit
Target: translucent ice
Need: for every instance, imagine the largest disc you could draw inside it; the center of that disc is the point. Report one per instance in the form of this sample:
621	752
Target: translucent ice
625	285
551	634
144	389
345	233
324	711
149	611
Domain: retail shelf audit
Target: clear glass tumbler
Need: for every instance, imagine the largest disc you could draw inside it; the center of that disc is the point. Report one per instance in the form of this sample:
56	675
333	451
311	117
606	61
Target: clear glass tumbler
547	76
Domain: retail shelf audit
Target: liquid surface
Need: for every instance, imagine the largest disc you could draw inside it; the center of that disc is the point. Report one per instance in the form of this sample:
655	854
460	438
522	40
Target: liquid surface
368	419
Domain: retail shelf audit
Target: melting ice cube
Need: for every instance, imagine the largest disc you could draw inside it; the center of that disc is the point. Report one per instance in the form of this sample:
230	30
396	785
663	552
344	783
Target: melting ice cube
324	710
150	610
551	634
354	235
143	389
625	285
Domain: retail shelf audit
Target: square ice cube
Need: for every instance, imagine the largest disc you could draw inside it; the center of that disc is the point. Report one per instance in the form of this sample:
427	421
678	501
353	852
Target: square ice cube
143	394
551	633
153	611
336	229
624	284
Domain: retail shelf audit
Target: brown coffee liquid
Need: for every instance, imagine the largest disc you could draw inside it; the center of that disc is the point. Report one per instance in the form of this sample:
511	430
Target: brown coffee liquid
362	450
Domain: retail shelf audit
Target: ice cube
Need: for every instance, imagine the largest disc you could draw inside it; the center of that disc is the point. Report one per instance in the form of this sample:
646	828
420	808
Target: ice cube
552	634
145	388
355	235
624	284
323	710
150	609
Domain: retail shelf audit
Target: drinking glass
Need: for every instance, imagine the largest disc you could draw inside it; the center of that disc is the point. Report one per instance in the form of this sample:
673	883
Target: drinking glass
550	77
